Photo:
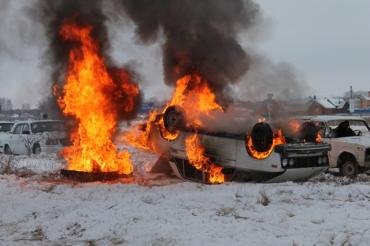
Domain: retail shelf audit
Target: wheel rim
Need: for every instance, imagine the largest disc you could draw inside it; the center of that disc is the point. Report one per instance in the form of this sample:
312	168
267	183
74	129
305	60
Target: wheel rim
349	169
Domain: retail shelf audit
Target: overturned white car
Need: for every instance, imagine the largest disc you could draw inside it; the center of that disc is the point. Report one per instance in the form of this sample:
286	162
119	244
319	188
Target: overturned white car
243	157
349	137
34	137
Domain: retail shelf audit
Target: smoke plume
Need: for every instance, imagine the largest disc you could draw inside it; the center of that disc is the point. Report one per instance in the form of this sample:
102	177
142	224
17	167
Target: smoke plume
200	36
53	14
265	76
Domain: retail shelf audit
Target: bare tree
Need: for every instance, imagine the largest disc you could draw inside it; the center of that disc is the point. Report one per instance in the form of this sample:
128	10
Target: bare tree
30	141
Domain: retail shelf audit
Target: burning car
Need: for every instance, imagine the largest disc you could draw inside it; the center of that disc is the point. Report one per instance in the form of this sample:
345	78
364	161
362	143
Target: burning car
349	137
213	157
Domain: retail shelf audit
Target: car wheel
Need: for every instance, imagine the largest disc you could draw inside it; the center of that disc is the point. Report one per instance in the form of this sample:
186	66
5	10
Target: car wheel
36	149
349	168
7	150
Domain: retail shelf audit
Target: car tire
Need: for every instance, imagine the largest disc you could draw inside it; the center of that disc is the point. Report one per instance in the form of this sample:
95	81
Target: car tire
349	168
7	150
36	150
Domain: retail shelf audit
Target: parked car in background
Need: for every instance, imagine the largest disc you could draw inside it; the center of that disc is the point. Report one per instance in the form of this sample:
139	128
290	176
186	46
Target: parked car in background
34	137
6	126
349	137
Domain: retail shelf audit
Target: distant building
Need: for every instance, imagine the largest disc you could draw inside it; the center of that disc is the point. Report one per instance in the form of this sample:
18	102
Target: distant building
335	105
364	101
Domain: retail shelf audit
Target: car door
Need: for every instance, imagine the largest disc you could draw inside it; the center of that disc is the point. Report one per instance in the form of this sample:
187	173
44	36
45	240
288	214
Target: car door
25	142
15	139
328	138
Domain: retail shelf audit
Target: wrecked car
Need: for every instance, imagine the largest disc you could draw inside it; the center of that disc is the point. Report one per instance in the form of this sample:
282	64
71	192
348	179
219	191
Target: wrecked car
349	137
260	155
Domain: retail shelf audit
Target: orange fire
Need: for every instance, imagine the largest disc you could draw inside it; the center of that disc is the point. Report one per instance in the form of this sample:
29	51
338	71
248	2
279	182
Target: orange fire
193	95
139	136
295	126
94	97
277	140
261	120
195	153
318	137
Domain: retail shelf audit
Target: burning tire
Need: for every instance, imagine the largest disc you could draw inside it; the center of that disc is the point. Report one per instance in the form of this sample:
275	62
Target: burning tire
262	137
173	119
260	142
171	123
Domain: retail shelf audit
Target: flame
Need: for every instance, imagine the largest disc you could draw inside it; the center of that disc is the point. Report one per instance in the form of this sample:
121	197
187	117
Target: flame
277	140
93	98
193	95
261	120
195	154
139	136
295	126
318	137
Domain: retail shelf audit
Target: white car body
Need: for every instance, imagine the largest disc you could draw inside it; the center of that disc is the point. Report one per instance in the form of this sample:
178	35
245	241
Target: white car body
356	146
230	153
26	137
5	127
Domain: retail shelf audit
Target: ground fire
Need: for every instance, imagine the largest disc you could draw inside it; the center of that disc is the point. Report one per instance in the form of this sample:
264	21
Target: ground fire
94	95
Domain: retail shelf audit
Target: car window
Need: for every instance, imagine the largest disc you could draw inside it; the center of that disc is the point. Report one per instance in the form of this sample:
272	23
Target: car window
26	127
18	129
48	126
6	127
354	124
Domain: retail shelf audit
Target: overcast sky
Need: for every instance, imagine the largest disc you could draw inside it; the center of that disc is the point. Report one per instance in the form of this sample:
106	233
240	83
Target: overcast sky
327	41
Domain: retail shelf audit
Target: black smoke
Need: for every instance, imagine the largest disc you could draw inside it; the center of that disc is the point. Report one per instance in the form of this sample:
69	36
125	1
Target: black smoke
53	14
200	36
56	12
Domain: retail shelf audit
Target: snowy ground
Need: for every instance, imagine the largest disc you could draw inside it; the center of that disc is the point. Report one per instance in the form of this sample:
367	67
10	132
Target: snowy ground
37	206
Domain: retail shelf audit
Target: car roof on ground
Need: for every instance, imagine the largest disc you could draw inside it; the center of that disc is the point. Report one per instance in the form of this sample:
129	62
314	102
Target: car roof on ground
330	117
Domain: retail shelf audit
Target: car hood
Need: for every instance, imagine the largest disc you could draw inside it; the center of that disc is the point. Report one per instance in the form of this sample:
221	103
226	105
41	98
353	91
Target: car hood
360	140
